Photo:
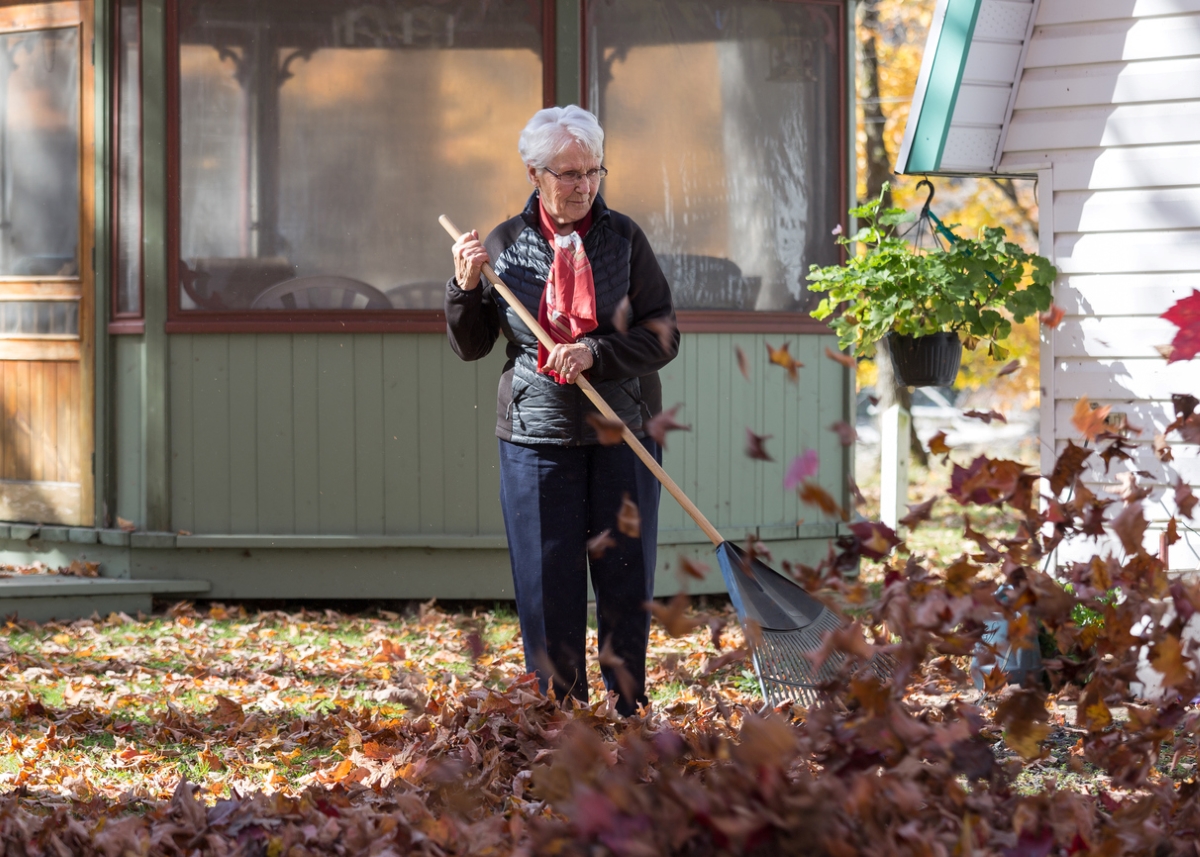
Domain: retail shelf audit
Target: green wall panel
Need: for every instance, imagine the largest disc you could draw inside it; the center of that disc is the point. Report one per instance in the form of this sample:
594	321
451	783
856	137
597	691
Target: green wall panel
393	434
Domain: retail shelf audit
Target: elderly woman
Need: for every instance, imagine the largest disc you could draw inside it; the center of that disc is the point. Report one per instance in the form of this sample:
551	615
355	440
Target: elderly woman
590	277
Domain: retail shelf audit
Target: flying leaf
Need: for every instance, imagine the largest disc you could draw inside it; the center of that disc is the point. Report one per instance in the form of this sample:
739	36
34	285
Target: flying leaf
620	316
756	446
692	568
1185	315
666	331
937	444
840	357
608	432
1171	534
1185	500
610	660
598	544
1090	420
814	495
1130	527
659	425
629	522
986	416
1008	368
1167	658
1053	317
1162	449
1068	467
126	525
742	362
782	357
845	432
1116	450
918	512
673	615
475	646
802	467
876	539
1025	720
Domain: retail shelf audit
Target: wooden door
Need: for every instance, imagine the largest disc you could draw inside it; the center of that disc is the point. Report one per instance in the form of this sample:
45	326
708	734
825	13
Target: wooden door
46	262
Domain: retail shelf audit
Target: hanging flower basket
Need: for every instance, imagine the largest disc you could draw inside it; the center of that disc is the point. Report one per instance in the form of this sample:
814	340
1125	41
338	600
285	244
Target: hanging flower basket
926	361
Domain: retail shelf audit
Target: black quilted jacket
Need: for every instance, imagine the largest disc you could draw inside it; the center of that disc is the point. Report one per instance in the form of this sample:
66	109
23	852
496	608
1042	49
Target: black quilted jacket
533	408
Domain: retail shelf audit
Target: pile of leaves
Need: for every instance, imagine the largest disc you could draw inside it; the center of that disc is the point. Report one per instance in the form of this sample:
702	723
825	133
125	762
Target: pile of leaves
225	732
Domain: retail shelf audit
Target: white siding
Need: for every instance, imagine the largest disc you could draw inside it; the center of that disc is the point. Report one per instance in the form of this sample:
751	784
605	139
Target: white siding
1109	95
986	93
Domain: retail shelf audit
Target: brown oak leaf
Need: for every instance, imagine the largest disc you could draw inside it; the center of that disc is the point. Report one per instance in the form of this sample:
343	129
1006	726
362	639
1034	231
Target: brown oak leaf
1185	500
1068	467
629	522
609	659
673	615
986	416
840	357
918	512
1166	657
1090	420
1130	527
782	357
608	432
937	444
659	425
742	362
692	568
620	316
600	543
1008	368
814	495
666	331
1162	449
756	446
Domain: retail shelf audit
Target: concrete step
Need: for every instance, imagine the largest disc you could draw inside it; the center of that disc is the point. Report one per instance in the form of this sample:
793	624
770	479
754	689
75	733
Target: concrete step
42	597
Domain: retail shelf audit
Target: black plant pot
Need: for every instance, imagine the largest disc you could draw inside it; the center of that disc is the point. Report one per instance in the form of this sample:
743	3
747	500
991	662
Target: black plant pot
926	361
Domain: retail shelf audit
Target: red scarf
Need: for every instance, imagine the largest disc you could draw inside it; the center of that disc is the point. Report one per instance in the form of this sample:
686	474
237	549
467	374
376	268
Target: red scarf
568	306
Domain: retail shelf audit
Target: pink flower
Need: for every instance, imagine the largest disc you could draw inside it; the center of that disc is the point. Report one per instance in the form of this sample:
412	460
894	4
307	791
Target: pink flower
802	467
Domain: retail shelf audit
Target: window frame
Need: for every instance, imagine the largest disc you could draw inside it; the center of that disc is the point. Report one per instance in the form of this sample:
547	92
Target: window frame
126	322
180	320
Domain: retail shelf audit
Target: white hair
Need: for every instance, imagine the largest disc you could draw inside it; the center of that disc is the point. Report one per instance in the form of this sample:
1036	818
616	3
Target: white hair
554	129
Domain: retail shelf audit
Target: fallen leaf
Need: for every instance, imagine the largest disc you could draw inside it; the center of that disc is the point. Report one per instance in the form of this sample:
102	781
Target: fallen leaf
600	543
803	466
1185	315
841	357
659	425
845	432
742	362
756	446
782	357
608	432
1053	317
629	522
1090	420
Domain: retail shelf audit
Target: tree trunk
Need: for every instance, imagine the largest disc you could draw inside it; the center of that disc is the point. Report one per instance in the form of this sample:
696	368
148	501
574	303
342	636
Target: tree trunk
891	391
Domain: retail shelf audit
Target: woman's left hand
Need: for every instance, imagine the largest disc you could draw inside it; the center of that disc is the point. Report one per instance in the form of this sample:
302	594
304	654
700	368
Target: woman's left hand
569	360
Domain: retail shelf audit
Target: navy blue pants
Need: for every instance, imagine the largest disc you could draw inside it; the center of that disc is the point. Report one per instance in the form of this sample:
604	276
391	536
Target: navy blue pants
555	499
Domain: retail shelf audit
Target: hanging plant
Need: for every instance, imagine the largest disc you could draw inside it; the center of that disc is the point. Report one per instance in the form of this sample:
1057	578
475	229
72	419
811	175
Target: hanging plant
973	288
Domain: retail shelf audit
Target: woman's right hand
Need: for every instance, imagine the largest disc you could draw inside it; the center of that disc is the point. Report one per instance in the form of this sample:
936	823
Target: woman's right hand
469	259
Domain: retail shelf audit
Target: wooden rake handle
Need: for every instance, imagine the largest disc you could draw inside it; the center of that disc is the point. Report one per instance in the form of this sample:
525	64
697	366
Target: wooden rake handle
597	400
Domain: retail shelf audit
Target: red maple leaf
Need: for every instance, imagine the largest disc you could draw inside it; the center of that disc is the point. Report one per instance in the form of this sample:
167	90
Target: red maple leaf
1186	316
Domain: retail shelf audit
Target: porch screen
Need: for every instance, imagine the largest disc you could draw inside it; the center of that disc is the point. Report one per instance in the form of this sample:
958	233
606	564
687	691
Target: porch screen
723	125
319	140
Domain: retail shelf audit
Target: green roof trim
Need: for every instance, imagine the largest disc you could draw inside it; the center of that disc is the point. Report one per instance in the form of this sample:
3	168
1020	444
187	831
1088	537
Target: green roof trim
953	43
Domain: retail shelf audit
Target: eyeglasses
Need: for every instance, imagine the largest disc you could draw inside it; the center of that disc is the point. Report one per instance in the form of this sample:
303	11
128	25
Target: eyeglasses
574	177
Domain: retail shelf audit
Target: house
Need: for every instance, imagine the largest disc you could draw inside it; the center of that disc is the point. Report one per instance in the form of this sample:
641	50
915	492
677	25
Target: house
1099	101
223	365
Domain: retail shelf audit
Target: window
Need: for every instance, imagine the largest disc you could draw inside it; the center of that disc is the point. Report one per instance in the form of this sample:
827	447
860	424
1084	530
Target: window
724	138
127	204
318	141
